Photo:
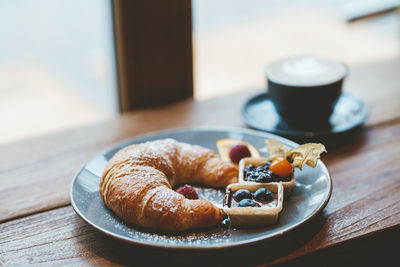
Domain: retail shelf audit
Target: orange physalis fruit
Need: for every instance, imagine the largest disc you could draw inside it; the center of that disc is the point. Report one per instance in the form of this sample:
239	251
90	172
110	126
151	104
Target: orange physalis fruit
281	167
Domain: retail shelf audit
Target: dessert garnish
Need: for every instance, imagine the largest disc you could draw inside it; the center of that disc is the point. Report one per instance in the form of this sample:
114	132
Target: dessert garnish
281	167
188	191
260	171
247	203
242	194
238	152
246	199
263	194
251	204
280	164
275	148
304	154
234	150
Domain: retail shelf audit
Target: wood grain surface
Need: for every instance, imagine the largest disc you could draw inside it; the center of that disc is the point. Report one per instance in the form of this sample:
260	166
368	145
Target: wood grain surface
39	226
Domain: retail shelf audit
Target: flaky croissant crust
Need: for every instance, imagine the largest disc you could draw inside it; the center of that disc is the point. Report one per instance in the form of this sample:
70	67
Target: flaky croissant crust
138	180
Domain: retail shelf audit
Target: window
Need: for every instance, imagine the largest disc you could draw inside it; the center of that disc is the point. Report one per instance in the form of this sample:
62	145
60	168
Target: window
234	40
57	66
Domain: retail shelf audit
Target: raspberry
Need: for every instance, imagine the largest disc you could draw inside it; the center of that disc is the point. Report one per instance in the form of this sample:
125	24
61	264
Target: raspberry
238	152
188	191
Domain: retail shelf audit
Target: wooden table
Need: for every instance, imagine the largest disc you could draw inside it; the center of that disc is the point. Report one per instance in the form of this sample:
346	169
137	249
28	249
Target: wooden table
38	224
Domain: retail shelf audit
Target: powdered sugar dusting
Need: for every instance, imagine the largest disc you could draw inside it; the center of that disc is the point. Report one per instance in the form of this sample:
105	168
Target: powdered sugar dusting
201	237
193	238
213	195
161	158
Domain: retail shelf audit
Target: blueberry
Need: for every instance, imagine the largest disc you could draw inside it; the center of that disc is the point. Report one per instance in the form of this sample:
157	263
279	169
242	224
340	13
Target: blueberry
269	174
266	166
252	176
260	169
262	178
249	168
263	194
247	203
242	194
265	177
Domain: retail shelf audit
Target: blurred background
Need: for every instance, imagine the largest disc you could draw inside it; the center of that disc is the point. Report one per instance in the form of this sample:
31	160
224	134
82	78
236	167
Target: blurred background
57	58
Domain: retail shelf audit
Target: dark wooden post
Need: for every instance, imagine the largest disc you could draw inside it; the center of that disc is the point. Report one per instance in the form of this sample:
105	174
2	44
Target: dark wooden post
154	51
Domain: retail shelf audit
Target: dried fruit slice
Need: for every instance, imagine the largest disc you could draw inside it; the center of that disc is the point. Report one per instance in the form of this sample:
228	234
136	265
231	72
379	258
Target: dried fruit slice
225	147
275	148
304	154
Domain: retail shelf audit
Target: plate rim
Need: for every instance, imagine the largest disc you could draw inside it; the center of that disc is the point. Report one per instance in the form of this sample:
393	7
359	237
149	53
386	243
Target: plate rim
242	243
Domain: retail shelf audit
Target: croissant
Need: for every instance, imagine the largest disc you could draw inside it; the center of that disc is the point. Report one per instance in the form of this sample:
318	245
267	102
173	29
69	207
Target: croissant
138	180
